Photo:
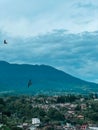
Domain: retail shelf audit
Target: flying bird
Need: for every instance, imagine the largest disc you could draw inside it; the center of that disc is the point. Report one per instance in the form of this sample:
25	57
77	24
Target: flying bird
5	42
29	83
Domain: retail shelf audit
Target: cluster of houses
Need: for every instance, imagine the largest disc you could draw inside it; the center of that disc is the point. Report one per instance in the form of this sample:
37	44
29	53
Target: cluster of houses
70	112
36	122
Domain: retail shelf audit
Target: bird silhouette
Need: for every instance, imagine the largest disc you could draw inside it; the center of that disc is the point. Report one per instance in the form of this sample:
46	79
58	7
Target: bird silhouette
29	83
5	42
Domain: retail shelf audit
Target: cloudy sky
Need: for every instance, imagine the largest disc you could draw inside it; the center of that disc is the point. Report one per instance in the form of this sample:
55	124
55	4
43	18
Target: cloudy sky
60	33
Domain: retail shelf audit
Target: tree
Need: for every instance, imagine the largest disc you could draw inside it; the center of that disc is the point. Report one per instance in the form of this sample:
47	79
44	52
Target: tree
49	128
2	101
16	128
55	115
61	99
95	106
78	108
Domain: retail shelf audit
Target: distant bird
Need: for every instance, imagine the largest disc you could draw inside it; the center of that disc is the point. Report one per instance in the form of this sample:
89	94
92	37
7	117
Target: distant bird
5	42
29	83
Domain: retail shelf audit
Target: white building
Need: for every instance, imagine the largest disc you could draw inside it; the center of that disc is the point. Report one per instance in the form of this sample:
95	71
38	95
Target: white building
36	121
93	128
1	125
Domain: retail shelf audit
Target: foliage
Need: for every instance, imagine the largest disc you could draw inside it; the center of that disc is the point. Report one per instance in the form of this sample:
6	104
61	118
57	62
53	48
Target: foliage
54	114
16	128
20	109
69	98
5	128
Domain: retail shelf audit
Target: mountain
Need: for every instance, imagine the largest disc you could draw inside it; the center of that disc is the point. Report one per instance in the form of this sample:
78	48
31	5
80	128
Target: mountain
45	79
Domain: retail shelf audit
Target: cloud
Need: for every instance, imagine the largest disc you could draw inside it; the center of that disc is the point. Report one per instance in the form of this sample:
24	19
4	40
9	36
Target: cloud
87	4
61	33
76	54
23	18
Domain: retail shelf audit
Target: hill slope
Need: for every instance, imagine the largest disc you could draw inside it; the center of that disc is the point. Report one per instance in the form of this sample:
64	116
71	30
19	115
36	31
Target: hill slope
14	77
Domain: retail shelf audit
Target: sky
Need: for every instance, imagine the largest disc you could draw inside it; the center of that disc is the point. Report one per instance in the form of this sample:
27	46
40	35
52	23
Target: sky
60	33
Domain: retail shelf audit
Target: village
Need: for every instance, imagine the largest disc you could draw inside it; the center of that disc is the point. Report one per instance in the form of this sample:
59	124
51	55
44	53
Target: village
66	112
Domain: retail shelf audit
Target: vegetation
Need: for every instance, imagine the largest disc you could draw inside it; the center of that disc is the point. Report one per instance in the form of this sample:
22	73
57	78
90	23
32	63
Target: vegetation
55	110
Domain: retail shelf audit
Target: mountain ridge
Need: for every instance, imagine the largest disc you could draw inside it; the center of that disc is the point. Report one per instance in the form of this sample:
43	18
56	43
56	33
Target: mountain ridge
45	79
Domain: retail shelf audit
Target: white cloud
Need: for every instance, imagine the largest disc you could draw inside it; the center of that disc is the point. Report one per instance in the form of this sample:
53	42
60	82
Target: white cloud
23	18
76	54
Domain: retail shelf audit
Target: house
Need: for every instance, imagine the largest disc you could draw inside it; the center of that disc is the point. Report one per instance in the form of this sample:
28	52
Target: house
71	112
68	126
83	127
83	106
25	125
93	128
36	122
80	117
1	125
